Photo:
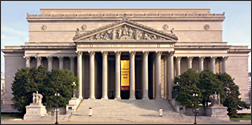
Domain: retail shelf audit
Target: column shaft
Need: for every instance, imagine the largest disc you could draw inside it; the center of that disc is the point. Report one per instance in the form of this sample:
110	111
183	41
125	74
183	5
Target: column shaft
92	75
224	59
38	61
158	81
72	64
104	75
170	74
61	62
49	61
178	59
213	64
201	64
27	59
145	75
117	75
189	61
132	75
80	72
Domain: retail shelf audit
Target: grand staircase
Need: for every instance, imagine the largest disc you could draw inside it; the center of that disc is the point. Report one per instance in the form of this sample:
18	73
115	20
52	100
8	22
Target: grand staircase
103	110
124	107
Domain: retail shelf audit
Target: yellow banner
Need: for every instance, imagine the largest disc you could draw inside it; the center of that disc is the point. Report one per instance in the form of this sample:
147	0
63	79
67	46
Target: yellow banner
124	72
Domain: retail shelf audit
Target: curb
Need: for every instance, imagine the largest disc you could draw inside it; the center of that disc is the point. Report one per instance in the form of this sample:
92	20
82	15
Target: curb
11	119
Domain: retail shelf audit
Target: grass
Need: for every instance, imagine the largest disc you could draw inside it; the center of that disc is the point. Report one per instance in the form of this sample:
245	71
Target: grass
11	116
244	117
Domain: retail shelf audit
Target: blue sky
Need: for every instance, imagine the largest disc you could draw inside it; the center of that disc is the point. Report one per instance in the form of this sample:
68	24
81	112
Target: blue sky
15	28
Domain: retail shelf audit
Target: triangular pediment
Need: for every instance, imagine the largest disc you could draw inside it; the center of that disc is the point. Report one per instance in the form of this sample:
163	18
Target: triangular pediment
124	30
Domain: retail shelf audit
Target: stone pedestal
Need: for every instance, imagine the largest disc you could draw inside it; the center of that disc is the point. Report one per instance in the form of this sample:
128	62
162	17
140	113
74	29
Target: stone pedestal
33	111
177	106
72	105
218	112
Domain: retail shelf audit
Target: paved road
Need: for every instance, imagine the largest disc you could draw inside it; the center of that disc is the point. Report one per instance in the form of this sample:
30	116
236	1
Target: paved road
122	122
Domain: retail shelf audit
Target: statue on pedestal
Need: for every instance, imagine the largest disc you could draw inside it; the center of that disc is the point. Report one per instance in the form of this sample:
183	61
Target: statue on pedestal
215	99
37	98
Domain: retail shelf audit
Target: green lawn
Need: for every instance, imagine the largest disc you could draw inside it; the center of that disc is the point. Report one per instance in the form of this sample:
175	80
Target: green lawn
11	116
245	117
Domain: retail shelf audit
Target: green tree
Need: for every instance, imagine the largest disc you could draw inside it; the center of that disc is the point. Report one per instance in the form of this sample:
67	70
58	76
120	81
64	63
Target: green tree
230	97
29	80
208	84
59	81
187	86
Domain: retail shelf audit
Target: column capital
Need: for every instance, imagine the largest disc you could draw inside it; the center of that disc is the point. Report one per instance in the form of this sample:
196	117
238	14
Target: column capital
158	53
91	53
72	57
132	53
79	53
145	53
225	58
38	57
171	53
27	57
60	57
178	58
117	53
190	58
50	58
104	53
202	57
213	58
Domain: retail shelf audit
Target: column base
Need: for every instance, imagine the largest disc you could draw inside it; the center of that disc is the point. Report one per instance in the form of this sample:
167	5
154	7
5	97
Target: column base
91	98
117	98
132	98
104	98
158	99
80	97
145	99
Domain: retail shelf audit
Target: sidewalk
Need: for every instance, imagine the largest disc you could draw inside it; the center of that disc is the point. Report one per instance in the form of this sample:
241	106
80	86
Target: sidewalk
3	121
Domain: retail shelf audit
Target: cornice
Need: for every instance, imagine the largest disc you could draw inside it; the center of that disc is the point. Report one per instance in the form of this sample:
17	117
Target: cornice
143	16
239	50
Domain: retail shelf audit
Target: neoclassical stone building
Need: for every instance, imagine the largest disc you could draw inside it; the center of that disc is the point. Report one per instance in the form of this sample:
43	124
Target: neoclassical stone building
159	43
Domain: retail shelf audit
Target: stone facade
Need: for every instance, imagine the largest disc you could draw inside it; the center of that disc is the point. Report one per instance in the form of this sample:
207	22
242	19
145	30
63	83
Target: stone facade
165	43
2	87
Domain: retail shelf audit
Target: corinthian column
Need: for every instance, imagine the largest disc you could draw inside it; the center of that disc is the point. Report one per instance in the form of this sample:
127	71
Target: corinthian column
201	63
158	84
60	62
213	58
104	75
178	59
49	61
80	72
38	61
72	63
189	61
170	74
132	75
92	75
27	59
224	59
117	75
145	75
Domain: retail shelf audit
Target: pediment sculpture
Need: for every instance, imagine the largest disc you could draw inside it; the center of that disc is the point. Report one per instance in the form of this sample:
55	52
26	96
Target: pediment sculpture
123	33
37	98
